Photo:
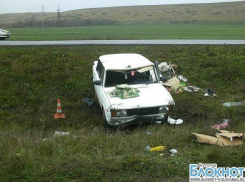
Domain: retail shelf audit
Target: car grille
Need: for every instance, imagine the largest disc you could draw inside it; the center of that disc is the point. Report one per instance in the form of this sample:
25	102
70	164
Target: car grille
143	111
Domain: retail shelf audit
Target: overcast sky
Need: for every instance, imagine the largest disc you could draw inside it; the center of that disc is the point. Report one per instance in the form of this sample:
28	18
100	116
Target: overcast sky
23	6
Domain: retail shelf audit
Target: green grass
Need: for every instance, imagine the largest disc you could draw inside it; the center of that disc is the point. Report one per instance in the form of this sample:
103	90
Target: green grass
33	78
134	32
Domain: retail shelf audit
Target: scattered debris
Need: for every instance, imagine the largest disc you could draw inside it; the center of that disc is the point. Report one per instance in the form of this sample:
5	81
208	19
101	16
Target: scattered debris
58	134
184	84
124	91
167	69
231	135
182	78
220	126
155	149
177	88
149	133
174	85
173	121
178	83
21	153
46	139
224	124
164	67
59	113
225	120
148	148
173	152
88	101
224	138
171	81
209	93
234	104
191	89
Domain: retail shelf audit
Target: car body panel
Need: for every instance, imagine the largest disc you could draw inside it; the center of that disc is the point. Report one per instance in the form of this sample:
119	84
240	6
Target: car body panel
151	95
124	61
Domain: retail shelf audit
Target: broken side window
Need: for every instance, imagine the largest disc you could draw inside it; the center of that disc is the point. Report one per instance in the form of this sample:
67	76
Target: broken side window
101	75
99	67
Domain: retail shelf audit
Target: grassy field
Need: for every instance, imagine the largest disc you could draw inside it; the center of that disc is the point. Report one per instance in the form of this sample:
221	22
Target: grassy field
33	78
134	32
180	21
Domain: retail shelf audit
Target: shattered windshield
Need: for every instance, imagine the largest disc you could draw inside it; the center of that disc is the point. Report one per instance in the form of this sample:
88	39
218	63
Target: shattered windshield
144	75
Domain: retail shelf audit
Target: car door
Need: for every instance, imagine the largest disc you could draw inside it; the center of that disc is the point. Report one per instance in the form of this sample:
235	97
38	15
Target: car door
99	75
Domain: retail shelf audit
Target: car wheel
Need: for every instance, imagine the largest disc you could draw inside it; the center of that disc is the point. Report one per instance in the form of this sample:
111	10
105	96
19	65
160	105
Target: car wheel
2	38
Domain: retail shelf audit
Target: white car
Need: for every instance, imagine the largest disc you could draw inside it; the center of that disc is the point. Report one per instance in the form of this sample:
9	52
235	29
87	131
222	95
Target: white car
4	34
153	101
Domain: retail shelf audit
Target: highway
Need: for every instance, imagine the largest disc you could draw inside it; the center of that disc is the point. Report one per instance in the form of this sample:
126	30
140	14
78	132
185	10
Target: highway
124	42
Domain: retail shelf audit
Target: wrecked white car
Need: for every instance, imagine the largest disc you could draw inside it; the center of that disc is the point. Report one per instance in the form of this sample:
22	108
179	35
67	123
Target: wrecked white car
130	91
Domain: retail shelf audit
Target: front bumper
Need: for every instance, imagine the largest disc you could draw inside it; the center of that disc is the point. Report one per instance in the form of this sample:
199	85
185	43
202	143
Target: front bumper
143	119
5	35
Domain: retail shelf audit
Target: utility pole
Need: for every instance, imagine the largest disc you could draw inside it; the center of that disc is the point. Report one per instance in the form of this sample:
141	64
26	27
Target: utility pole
58	15
58	12
43	15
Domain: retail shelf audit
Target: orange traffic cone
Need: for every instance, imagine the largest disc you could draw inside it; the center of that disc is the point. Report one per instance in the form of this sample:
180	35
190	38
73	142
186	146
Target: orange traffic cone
59	113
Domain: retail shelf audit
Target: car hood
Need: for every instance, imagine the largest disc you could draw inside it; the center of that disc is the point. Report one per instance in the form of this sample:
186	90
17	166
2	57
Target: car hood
150	95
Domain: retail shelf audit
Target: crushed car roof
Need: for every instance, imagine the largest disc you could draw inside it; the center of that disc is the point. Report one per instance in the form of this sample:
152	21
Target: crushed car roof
124	61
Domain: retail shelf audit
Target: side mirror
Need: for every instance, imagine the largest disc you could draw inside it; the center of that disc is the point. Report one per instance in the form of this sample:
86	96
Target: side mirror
98	82
163	79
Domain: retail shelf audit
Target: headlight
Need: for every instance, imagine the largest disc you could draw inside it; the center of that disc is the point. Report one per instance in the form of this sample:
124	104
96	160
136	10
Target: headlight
118	113
163	109
171	105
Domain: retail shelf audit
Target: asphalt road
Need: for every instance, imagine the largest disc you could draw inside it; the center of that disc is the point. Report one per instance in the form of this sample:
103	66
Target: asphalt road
129	42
